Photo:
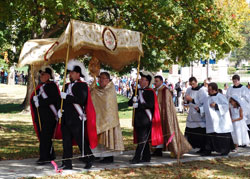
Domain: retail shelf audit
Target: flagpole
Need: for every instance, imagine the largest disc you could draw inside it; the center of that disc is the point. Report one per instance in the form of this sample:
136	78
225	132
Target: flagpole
34	86
136	87
65	72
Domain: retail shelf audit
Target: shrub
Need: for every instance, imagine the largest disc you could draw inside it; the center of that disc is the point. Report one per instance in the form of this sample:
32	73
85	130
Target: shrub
231	70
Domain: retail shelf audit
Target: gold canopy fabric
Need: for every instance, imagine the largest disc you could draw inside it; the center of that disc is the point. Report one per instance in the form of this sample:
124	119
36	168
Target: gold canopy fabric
114	47
33	51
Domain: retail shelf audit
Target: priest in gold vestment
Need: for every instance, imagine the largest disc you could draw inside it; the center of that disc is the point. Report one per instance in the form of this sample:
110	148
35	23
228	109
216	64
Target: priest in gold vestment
178	145
110	141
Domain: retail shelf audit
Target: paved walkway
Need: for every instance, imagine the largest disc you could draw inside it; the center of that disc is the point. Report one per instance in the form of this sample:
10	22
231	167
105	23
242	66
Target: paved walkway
28	168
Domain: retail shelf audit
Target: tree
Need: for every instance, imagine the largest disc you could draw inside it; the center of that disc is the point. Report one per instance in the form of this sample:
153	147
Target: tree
174	31
243	53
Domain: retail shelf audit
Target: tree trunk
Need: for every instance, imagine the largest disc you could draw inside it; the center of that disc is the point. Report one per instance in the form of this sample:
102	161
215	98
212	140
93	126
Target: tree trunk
30	89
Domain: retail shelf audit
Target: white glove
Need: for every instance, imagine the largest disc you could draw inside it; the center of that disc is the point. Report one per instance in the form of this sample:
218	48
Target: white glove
37	104
35	98
63	95
60	113
135	105
135	99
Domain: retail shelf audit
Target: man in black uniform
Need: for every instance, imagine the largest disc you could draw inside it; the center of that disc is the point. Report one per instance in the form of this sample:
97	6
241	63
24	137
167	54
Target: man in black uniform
75	103
47	101
145	109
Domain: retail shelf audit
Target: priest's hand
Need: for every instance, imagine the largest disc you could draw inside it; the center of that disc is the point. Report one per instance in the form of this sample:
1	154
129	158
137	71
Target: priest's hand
63	95
188	98
212	105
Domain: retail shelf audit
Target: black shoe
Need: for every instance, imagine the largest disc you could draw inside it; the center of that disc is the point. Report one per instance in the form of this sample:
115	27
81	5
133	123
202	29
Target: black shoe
224	154
67	167
200	151
97	158
206	153
143	160
157	153
41	162
107	160
62	165
88	165
134	161
243	146
84	159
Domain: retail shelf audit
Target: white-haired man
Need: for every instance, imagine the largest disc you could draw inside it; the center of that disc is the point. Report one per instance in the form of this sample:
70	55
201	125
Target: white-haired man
47	101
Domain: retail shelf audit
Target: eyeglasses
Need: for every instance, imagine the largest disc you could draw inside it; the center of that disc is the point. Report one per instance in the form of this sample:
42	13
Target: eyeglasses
102	78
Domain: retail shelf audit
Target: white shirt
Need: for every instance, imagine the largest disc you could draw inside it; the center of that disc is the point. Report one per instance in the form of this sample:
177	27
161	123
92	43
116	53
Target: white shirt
218	121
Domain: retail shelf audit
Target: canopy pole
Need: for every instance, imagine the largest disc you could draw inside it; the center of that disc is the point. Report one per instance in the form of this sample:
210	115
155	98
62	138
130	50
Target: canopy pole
65	74
34	86
136	87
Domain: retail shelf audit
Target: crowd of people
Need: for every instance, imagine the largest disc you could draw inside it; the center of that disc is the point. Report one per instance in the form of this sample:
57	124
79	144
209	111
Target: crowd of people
89	117
4	76
20	77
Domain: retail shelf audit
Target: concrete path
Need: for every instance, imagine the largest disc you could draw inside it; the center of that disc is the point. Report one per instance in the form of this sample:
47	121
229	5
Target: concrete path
28	167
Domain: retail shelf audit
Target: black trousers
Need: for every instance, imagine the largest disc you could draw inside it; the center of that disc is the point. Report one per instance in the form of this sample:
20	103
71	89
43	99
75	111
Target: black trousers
219	142
46	149
70	132
196	137
143	134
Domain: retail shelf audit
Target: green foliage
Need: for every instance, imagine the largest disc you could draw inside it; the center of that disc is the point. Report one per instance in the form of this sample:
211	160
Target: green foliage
231	70
243	53
173	31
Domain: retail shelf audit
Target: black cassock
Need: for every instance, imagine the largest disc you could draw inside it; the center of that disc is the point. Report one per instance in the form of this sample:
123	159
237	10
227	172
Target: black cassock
72	124
48	118
142	125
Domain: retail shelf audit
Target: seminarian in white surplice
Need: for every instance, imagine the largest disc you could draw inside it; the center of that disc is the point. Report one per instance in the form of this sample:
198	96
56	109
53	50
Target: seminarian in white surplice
218	122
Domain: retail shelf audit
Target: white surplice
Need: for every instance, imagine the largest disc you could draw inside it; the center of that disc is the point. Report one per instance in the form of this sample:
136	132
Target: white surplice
194	118
218	121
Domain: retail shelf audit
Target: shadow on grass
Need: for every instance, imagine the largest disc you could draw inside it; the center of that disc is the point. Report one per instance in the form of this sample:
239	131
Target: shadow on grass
122	103
10	108
127	132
